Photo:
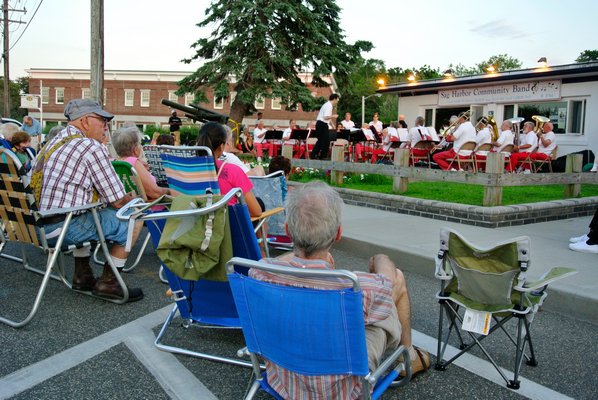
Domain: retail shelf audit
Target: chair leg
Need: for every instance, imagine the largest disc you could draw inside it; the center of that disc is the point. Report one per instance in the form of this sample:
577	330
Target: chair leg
139	254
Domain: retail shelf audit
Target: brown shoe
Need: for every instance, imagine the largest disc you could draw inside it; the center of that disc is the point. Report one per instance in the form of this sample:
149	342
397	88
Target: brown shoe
107	287
83	279
420	364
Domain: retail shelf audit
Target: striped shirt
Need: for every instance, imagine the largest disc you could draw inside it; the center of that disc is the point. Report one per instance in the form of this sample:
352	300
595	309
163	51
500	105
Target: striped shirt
75	170
377	306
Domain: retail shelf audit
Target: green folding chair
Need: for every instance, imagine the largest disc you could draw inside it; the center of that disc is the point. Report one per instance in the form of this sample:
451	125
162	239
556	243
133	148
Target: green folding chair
481	290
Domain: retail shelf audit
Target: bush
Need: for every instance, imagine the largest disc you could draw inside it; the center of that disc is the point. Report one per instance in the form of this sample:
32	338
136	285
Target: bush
189	134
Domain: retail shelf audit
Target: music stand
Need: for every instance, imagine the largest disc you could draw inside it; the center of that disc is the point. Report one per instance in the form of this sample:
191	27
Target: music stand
273	135
376	134
299	134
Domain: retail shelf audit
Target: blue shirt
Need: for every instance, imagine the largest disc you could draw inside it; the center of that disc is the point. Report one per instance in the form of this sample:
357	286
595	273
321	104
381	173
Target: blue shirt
33	130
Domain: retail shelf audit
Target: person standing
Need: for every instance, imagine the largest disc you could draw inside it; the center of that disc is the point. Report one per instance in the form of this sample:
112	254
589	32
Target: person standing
175	127
34	129
323	125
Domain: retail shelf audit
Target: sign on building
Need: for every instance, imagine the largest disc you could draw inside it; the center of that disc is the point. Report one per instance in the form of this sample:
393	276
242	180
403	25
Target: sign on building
29	101
511	92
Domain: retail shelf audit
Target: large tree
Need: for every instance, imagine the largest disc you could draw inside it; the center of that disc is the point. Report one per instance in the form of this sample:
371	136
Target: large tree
263	45
20	85
587	55
502	62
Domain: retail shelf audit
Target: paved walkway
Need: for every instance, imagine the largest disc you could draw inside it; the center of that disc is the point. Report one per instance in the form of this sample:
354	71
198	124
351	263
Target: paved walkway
414	242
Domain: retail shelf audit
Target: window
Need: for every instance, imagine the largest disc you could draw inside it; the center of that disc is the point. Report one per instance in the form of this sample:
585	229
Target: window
189	97
509	111
577	116
45	95
429	116
145	98
129	97
86	93
555	110
276	103
260	103
172	96
218	105
59	95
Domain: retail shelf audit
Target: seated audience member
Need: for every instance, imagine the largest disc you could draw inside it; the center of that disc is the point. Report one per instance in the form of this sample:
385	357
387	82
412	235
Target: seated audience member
55	130
280	163
248	147
465	132
6	132
155	137
587	243
88	175
126	142
528	142
232	158
215	136
21	146
167	140
314	224
505	138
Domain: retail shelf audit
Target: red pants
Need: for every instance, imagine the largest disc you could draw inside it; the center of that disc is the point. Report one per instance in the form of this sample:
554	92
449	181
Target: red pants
440	158
260	147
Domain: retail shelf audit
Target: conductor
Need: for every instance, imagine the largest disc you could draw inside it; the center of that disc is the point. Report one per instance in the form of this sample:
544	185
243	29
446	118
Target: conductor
323	125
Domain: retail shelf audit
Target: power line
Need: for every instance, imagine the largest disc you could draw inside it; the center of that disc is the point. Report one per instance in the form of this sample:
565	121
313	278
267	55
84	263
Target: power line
27	26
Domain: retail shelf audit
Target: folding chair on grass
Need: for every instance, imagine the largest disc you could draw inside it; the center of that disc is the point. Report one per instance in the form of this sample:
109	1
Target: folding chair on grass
272	190
203	300
309	331
481	290
23	223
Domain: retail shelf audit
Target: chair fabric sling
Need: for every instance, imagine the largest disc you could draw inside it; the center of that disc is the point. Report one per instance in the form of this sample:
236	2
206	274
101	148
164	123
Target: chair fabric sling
190	170
202	302
272	190
307	331
421	145
23	223
481	158
492	281
464	158
152	153
538	164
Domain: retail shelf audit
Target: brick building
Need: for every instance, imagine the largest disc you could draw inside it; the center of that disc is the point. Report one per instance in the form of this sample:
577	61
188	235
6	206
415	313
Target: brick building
134	96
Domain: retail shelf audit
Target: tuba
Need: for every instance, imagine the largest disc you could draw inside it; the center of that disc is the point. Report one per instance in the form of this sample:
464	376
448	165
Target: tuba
540	121
516	121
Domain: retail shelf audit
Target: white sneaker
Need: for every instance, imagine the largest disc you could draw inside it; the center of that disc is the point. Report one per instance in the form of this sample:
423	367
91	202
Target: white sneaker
527	171
259	159
453	169
583	247
582	238
594	168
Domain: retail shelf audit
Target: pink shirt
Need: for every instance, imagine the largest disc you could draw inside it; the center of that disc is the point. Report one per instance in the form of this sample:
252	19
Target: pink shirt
232	176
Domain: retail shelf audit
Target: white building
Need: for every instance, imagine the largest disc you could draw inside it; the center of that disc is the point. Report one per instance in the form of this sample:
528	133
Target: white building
567	94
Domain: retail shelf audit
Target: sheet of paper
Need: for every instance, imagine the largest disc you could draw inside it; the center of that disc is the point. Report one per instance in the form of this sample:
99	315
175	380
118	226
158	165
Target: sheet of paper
477	321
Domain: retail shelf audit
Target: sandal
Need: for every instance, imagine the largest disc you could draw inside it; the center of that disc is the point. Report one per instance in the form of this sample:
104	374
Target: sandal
420	364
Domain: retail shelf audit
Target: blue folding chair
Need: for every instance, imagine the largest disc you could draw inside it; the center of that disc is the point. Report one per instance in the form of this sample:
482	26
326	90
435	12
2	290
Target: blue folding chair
202	302
309	331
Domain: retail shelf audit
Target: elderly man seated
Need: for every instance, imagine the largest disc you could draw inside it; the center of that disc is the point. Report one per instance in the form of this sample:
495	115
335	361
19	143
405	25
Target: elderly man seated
314	224
78	172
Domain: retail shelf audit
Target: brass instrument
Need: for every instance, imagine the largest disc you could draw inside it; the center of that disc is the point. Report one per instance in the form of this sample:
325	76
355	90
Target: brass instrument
453	127
516	122
494	131
540	121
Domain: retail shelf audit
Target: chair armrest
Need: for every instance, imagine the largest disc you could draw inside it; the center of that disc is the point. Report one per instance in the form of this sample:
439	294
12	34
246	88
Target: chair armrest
388	362
66	210
268	213
553	275
440	272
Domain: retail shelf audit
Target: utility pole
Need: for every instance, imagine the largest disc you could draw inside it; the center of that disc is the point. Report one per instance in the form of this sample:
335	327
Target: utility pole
96	83
5	31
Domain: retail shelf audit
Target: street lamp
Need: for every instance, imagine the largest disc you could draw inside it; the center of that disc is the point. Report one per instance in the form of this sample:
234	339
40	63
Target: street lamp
363	99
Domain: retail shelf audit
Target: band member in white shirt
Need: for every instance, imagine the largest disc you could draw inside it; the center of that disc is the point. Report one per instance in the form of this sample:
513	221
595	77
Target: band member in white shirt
376	123
464	133
529	143
347	123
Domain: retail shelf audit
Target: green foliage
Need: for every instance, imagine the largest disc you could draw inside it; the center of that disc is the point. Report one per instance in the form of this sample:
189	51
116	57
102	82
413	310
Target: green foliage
361	82
502	62
151	129
189	134
15	88
587	55
265	45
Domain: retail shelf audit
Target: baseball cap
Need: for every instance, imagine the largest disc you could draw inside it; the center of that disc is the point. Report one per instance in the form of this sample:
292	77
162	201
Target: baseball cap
78	108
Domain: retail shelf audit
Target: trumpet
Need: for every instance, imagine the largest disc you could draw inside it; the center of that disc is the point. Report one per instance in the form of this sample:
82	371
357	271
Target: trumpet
540	121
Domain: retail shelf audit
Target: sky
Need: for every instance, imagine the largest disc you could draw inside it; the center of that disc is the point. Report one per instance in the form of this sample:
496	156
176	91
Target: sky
157	35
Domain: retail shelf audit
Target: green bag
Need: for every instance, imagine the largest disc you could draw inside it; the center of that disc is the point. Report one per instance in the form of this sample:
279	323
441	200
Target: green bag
197	247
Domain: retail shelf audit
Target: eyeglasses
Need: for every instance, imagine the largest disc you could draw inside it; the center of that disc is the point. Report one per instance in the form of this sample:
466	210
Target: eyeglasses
104	120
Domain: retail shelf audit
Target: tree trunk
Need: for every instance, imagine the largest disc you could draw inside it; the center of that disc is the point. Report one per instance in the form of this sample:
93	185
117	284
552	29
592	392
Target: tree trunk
238	110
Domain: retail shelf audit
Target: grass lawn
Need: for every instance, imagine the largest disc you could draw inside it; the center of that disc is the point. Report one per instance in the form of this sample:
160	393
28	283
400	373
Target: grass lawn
450	192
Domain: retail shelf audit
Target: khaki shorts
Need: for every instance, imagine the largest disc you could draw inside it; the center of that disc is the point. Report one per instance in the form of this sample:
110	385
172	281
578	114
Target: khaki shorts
382	337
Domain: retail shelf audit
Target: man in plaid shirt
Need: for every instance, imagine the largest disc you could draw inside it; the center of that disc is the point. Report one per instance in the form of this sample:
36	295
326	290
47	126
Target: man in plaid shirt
77	172
314	224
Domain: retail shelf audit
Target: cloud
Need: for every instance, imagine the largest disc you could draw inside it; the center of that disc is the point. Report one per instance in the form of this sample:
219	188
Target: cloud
500	28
